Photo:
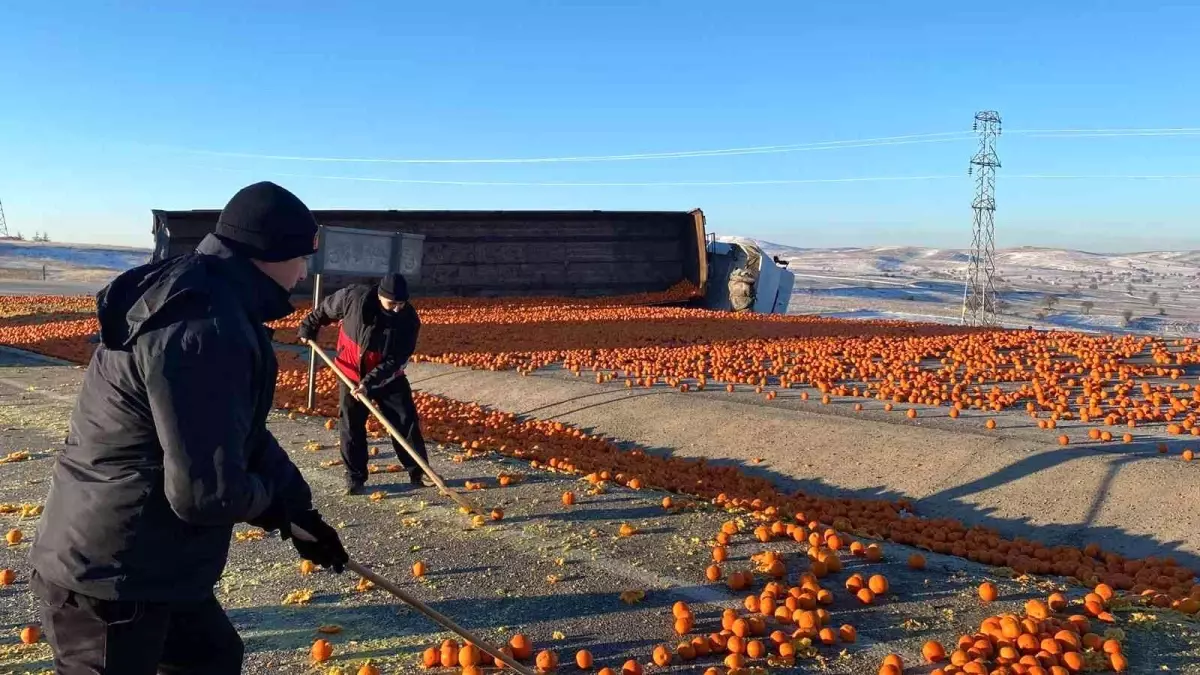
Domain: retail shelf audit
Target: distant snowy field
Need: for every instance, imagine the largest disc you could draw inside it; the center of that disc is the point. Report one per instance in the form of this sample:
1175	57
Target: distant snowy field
67	268
1154	292
14	253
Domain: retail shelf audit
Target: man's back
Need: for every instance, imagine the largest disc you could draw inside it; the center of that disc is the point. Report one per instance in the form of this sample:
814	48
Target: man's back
130	514
169	448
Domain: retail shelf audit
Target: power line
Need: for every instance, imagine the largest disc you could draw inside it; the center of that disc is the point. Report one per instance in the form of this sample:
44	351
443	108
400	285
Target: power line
1162	131
3	222
940	137
726	183
478	183
907	139
1175	176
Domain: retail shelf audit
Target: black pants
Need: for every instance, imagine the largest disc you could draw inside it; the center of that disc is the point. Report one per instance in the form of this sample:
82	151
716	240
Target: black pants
396	404
116	637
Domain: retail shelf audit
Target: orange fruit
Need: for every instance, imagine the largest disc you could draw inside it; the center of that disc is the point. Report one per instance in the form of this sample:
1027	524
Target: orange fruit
546	661
521	647
321	649
933	652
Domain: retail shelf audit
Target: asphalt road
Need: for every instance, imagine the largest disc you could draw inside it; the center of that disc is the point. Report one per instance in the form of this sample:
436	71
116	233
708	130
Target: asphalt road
553	573
1015	478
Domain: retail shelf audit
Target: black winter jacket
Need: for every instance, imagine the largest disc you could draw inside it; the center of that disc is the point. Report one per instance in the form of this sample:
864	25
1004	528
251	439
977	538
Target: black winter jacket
373	345
168	445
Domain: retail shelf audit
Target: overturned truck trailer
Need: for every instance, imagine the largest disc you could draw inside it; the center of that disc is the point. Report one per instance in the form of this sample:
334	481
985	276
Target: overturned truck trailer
511	253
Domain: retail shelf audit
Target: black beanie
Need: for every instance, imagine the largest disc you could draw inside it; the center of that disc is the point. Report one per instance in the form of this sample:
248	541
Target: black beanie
394	287
266	222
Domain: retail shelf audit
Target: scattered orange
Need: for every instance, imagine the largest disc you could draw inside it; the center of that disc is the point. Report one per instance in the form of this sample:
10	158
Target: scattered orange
321	649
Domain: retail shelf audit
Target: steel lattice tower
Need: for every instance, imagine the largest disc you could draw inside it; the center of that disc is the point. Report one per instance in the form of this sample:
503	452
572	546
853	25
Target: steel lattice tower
979	291
3	223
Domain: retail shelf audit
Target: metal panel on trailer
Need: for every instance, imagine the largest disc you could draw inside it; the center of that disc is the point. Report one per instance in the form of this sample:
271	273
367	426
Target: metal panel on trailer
494	253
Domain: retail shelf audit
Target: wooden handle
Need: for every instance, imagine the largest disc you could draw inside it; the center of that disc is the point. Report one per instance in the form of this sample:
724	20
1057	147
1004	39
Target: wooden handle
437	617
428	611
437	480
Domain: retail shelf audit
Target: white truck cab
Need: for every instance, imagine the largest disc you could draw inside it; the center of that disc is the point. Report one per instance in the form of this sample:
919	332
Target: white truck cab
743	278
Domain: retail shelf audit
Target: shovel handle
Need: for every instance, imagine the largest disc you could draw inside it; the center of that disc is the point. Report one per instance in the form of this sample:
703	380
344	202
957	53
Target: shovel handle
436	616
370	405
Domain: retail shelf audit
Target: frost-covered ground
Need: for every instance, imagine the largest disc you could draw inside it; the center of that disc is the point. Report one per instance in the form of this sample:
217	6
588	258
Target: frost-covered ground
78	263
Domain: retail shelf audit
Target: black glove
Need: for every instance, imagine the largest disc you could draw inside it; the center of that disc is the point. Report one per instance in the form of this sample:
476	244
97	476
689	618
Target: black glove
327	550
306	332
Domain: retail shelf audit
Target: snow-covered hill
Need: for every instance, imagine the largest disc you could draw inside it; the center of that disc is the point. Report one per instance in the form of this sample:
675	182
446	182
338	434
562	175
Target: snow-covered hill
1156	291
1022	260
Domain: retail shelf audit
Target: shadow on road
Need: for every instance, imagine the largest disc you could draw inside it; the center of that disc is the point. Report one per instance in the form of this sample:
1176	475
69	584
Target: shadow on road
473	613
952	502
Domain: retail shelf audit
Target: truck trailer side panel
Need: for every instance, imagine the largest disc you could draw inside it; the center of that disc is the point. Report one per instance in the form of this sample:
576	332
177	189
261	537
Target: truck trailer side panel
508	253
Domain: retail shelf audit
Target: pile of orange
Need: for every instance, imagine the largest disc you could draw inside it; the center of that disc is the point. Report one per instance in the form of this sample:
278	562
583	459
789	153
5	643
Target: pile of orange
53	325
1118	380
1052	637
1107	380
570	450
1048	639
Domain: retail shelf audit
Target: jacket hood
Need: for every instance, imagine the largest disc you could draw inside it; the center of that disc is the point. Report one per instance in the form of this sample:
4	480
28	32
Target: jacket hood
145	297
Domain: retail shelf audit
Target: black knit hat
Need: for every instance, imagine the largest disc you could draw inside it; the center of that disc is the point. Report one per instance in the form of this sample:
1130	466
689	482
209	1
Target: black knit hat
394	287
268	223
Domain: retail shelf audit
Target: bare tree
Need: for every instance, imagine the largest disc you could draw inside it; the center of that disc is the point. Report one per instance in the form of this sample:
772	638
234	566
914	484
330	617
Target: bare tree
1050	301
1126	317
1086	307
1153	298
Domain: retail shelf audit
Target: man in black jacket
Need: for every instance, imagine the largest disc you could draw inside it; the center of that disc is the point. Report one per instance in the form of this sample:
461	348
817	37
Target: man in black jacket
168	449
377	337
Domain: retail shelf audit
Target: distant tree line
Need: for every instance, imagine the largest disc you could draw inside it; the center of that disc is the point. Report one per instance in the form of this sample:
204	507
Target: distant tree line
37	236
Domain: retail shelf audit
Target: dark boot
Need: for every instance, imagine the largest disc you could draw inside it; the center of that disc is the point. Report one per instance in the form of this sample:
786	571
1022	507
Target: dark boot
354	486
419	478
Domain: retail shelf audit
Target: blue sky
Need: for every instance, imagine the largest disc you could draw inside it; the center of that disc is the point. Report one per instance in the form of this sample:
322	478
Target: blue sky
103	104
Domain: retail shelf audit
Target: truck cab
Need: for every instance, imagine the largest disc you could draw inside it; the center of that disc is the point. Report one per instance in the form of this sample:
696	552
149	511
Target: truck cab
744	278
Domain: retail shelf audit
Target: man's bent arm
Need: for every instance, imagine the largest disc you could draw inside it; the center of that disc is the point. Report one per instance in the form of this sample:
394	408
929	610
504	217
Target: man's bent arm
202	401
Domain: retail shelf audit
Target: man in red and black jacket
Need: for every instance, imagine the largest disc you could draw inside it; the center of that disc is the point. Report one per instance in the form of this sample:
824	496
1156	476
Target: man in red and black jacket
377	336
